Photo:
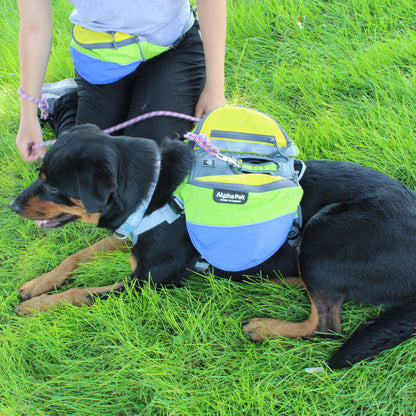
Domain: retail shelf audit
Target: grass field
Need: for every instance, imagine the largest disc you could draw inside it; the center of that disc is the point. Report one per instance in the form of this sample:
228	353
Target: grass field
339	76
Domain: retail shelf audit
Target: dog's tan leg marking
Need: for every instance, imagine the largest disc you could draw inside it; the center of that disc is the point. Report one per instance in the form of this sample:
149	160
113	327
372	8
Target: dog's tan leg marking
76	297
259	328
56	277
133	262
288	281
325	317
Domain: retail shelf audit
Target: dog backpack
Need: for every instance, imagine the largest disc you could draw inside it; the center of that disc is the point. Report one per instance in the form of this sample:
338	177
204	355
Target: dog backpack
240	207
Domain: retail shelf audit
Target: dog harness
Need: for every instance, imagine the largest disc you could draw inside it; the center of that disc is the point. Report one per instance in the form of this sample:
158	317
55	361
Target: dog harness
135	219
240	207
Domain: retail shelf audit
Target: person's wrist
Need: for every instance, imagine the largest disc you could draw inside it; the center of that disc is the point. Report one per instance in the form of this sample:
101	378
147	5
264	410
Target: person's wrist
214	83
29	112
215	91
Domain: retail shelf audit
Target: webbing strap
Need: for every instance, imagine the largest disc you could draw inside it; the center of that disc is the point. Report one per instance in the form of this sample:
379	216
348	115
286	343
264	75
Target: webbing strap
136	217
293	238
169	213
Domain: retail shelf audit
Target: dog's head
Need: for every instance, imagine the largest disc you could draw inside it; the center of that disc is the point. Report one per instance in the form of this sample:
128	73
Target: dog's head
91	176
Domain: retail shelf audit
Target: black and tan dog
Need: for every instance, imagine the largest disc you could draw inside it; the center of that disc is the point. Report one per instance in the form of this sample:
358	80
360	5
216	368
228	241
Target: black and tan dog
358	239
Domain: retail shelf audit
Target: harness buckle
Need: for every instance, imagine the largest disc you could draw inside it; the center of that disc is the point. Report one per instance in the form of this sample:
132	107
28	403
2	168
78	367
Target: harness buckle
176	205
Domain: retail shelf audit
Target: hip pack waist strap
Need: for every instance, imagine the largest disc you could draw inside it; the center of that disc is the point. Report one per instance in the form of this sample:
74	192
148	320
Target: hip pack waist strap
90	39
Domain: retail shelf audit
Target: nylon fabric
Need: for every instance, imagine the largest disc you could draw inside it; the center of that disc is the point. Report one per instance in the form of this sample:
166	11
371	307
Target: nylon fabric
106	56
238	217
218	244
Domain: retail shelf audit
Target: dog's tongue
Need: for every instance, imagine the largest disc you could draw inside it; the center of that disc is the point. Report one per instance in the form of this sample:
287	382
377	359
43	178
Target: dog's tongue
57	221
45	223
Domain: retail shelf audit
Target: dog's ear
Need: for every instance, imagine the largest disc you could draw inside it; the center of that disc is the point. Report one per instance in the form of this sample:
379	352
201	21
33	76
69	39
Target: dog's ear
95	187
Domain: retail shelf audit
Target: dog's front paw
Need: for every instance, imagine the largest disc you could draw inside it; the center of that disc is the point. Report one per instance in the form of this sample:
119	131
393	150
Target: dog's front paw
257	329
40	285
39	304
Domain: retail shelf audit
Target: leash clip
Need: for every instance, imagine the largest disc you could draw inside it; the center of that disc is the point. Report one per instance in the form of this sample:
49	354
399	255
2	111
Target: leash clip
120	236
229	159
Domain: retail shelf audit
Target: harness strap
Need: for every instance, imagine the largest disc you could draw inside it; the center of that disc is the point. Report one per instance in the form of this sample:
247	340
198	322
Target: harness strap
293	238
169	213
134	219
295	233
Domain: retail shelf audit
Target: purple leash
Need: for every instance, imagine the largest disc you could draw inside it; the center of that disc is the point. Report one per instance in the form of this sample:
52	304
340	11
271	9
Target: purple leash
150	115
129	123
41	102
204	143
201	140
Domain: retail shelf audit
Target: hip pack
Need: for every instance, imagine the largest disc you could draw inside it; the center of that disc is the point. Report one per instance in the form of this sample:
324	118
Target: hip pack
106	57
240	208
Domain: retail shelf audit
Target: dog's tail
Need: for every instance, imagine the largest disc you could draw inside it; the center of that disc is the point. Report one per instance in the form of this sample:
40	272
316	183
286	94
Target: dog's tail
388	330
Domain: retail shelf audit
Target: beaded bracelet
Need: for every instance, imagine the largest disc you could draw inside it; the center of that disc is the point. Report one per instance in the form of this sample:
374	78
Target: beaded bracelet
41	102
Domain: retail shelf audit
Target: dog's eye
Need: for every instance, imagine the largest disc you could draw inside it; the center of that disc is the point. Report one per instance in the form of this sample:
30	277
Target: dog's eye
51	189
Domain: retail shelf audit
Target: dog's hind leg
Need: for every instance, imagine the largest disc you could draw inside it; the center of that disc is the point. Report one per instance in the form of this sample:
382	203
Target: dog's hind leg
74	296
325	317
56	277
391	328
288	281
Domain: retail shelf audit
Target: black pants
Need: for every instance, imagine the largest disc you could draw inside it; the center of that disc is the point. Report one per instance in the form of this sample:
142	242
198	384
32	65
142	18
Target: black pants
171	81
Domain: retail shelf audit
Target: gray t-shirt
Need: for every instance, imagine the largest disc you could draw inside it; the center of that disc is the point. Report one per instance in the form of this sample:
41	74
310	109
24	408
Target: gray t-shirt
160	22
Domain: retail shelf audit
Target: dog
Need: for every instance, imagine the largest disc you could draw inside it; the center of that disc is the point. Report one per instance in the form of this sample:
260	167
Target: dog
358	239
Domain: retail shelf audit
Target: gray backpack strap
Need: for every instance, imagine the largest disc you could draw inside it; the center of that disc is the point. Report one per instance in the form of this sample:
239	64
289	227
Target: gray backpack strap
169	213
295	233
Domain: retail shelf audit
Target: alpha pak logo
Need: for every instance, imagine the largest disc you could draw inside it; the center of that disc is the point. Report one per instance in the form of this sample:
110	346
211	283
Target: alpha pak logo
230	197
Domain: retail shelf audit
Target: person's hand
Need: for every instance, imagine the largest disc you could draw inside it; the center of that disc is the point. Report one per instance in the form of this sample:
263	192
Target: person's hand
210	98
30	133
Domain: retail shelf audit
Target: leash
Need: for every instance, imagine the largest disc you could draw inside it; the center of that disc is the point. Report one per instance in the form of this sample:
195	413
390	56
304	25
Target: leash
130	122
200	139
41	102
204	143
150	115
44	108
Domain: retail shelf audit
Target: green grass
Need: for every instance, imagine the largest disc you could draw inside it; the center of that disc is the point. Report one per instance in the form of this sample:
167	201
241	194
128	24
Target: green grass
343	87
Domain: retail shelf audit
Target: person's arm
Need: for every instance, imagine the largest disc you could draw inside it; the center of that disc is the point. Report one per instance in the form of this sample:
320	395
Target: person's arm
35	38
212	16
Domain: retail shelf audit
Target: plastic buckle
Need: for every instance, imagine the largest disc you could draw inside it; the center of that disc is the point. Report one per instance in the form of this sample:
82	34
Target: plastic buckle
177	205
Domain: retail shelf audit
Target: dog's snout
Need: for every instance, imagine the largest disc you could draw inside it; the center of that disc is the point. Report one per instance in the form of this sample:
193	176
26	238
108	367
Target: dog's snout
16	205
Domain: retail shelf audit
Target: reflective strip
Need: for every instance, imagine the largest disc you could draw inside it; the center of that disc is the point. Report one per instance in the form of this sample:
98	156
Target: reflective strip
241	136
243	142
245	120
243	147
124	55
